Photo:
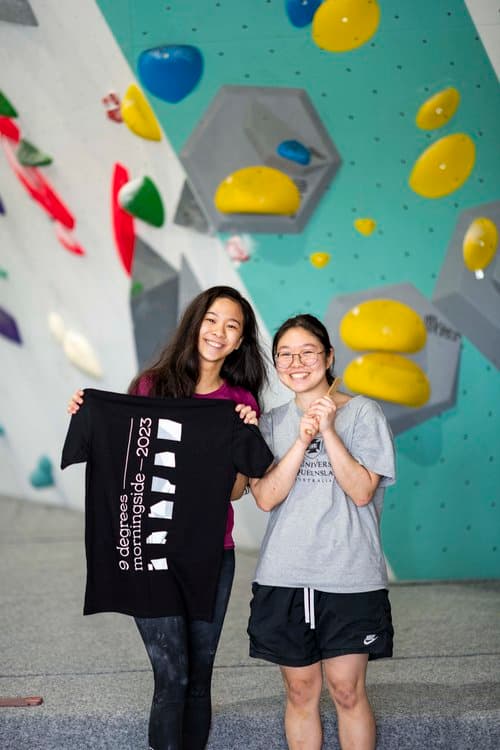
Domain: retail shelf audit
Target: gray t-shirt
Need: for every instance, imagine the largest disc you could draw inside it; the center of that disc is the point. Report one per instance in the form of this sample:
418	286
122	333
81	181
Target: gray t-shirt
317	537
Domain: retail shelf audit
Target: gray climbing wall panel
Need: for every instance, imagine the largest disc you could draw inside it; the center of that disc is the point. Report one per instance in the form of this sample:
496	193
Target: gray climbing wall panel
472	304
439	358
189	286
243	127
153	302
189	213
17	11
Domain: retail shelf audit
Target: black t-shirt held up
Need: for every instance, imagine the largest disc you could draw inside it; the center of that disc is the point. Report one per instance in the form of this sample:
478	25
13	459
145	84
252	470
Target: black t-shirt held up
158	479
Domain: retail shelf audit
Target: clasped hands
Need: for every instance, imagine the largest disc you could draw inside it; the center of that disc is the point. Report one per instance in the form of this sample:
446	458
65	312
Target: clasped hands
319	418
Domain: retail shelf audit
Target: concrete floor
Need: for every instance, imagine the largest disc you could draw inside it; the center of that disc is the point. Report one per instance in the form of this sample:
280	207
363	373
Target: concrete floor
441	689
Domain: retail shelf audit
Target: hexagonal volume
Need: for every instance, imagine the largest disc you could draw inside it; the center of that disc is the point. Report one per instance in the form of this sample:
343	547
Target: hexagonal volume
245	126
439	358
471	300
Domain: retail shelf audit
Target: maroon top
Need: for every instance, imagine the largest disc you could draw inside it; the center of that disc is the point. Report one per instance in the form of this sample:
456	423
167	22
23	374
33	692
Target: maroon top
226	391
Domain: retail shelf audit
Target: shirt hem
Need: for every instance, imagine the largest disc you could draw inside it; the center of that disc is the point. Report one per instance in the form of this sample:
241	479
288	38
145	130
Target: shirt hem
360	589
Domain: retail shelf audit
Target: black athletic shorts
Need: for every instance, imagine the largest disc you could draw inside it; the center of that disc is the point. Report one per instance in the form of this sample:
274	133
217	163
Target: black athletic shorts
299	627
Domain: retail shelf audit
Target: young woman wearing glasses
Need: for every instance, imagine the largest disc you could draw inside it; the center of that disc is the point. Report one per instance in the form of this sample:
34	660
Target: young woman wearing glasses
320	601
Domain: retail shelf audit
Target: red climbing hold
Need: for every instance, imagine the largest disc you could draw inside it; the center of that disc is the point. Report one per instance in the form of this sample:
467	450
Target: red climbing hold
40	189
9	129
123	223
67	240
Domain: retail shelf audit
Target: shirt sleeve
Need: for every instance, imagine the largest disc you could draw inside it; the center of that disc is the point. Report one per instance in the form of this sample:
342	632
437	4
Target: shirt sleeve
372	444
250	454
266	429
77	443
143	387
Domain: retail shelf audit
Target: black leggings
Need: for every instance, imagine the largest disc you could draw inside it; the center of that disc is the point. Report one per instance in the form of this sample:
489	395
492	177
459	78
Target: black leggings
182	654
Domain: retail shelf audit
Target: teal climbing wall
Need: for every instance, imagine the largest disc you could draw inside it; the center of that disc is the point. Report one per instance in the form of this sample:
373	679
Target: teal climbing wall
442	519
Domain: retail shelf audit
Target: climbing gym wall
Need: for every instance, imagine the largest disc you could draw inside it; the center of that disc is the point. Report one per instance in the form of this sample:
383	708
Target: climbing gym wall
93	271
338	157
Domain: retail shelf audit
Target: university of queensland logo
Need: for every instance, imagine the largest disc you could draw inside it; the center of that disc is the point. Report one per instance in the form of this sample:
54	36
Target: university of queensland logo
314	447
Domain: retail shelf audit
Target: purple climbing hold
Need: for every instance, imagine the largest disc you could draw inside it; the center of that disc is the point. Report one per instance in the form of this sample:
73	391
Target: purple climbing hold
8	327
294	151
170	72
301	12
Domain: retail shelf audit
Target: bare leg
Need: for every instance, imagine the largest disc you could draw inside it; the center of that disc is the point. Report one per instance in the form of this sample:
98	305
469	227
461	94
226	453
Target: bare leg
345	677
302	721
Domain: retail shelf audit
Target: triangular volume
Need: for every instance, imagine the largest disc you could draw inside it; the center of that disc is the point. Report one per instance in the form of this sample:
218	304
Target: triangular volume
17	11
189	286
189	212
30	156
149	270
153	302
6	108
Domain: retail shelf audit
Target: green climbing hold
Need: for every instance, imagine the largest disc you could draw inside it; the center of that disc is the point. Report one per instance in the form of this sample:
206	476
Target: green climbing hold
137	288
29	156
6	108
141	198
4	274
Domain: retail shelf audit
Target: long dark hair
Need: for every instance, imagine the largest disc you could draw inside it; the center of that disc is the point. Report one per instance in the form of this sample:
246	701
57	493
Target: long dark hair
312	325
176	371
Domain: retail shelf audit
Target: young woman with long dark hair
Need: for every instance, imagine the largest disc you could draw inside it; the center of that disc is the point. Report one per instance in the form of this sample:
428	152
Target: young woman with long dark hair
214	353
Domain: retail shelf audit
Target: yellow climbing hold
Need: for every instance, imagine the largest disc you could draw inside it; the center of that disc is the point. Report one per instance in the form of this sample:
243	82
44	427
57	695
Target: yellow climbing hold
480	244
384	324
319	260
257	190
342	25
389	377
138	115
444	166
365	226
438	109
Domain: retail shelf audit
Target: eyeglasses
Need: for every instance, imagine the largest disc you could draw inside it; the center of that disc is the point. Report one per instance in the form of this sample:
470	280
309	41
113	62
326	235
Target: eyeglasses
284	360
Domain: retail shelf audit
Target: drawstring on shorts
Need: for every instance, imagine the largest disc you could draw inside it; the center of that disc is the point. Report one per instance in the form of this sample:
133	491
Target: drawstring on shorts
309	614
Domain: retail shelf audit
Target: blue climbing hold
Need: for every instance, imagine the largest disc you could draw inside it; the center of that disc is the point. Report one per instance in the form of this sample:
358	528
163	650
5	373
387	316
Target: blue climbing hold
295	151
42	475
170	72
301	12
2	430
2	207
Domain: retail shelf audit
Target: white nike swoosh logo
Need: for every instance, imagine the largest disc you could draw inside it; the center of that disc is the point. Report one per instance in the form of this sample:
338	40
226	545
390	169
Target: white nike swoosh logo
370	639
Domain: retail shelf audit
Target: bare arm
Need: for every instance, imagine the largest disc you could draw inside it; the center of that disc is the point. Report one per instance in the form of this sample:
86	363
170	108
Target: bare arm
239	487
271	489
357	481
249	416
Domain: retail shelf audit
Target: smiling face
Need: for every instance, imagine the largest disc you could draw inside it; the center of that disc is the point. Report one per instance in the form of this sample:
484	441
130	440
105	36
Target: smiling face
301	376
221	330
